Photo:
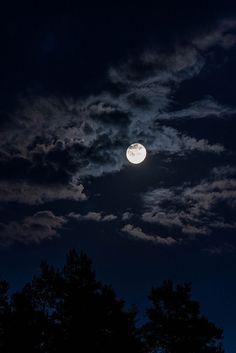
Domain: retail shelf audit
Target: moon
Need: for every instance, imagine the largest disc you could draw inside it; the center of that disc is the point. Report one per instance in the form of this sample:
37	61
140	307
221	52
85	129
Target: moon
136	153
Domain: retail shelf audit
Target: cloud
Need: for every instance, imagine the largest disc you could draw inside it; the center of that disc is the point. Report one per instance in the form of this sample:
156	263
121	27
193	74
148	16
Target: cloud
207	107
224	171
109	217
172	141
192	209
93	216
138	233
48	143
35	194
223	36
152	71
126	216
43	225
220	249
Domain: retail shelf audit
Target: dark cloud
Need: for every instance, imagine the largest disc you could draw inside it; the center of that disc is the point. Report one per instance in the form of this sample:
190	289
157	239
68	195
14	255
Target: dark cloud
109	114
220	249
35	194
138	101
41	226
192	209
223	35
225	170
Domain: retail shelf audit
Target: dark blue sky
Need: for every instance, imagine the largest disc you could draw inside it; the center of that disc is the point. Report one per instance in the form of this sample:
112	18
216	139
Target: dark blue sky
78	86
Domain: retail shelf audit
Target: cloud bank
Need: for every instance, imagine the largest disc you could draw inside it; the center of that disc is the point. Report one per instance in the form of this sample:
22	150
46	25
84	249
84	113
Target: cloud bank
192	209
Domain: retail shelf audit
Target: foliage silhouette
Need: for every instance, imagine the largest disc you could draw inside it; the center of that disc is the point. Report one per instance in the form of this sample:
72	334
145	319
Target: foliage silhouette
4	315
68	310
175	324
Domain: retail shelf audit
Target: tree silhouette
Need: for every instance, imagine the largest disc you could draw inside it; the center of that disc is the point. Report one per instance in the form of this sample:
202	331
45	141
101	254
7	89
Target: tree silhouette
27	325
77	312
175	324
68	310
90	314
4	315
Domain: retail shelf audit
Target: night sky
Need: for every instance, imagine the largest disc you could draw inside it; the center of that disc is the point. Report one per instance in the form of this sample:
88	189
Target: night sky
78	85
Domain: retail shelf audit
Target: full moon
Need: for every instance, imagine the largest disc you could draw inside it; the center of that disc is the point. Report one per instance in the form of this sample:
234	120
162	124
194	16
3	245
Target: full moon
136	153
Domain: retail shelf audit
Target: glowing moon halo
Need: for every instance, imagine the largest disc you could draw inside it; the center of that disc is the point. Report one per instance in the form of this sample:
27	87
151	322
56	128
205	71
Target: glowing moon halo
136	153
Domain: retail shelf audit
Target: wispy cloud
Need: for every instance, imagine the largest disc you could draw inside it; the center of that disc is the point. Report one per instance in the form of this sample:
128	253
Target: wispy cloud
222	35
93	216
220	249
207	107
138	233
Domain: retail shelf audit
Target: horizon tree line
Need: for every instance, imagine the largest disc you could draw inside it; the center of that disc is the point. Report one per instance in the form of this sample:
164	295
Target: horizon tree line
69	310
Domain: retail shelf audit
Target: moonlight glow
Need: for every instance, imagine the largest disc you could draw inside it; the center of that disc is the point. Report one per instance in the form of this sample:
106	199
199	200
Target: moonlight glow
136	153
